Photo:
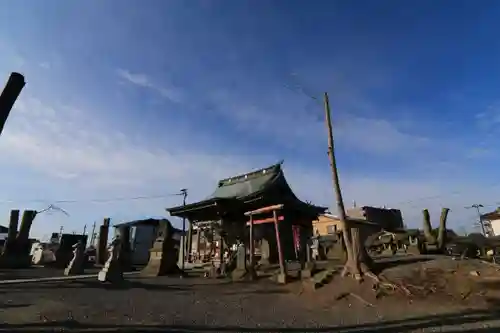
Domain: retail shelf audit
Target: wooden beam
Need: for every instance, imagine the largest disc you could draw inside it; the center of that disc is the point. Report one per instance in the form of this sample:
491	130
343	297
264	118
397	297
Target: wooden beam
268	220
264	210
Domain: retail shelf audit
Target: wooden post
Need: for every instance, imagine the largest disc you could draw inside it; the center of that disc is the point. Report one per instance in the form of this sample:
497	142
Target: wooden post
92	236
22	244
278	243
251	245
221	252
125	250
9	95
333	164
190	241
9	244
198	236
102	251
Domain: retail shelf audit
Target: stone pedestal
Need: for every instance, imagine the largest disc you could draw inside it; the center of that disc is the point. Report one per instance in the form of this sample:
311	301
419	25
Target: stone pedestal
112	272
125	255
307	270
162	259
265	252
37	258
281	278
76	265
241	269
182	253
101	250
293	269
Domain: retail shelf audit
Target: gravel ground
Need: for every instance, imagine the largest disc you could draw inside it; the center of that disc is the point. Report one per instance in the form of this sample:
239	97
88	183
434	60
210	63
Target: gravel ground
36	272
196	304
202	305
42	272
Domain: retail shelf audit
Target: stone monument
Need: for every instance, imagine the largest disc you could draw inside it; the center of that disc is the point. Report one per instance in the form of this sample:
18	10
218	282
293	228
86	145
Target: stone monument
76	264
241	263
309	265
162	258
101	250
182	253
125	248
265	252
112	272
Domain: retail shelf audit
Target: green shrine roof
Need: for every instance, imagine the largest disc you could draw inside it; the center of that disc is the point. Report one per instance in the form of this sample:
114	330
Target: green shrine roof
248	184
268	182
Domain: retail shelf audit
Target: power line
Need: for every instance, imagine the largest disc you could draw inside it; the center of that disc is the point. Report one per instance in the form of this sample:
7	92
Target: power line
103	200
298	88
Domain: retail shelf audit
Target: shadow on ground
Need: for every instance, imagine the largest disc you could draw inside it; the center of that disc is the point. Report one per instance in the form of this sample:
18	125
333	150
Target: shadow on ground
461	319
10	306
387	263
243	287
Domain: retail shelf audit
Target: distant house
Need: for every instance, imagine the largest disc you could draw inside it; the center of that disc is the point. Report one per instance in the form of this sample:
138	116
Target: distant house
389	219
142	236
326	224
491	222
3	233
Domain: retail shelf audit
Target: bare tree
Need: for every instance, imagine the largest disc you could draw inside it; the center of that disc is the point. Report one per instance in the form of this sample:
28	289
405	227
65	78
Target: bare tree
51	208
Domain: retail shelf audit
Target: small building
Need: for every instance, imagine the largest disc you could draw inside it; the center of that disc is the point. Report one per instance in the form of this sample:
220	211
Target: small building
326	224
3	234
142	236
225	210
388	219
491	222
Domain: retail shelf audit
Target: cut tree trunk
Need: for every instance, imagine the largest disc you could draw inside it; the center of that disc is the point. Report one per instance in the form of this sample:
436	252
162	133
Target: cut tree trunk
358	261
429	237
441	240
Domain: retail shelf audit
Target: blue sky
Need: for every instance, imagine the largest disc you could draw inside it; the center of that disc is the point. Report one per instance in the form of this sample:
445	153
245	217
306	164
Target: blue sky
130	98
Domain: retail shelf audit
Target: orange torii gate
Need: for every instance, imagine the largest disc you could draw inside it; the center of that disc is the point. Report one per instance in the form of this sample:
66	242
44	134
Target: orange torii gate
275	219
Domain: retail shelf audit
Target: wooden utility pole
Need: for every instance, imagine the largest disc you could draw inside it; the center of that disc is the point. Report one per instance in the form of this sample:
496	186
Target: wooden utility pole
92	236
481	222
333	164
353	244
184	194
9	96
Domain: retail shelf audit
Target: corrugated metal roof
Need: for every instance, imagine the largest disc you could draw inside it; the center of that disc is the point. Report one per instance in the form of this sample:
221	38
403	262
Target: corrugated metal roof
153	222
331	216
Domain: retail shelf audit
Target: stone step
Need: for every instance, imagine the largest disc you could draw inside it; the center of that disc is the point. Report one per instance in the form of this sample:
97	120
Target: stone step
321	278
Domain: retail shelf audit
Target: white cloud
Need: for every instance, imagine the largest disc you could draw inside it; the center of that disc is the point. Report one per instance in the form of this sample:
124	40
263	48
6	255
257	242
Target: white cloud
489	118
298	122
45	65
70	148
142	80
